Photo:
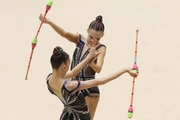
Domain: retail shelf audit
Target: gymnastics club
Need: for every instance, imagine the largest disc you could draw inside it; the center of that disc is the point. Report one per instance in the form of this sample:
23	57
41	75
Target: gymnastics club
134	68
34	41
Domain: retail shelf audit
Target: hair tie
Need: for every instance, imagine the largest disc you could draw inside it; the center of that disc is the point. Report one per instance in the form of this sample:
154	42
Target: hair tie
58	51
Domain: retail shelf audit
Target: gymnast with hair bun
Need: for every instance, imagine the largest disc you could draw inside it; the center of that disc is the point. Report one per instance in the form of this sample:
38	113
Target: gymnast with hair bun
70	92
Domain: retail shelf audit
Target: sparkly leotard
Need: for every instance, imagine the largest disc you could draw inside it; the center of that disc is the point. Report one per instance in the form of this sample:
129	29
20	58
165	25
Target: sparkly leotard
87	72
75	107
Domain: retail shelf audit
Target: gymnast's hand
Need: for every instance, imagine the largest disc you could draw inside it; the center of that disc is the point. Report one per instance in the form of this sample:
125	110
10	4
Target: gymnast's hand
44	20
131	72
93	53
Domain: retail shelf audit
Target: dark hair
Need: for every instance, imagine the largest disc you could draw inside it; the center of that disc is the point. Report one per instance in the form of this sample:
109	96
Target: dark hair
58	57
97	24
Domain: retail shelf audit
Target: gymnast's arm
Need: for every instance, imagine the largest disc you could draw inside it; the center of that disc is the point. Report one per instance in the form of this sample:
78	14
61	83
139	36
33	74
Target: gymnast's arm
69	36
104	80
100	60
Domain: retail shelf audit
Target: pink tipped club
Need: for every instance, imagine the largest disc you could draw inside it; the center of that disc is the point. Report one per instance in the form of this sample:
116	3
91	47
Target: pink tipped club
130	110
34	41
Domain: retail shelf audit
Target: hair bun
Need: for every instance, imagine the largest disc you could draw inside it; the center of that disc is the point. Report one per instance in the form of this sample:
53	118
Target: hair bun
99	18
57	51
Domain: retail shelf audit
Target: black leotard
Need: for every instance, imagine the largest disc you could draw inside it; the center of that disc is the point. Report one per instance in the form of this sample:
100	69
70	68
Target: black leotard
75	107
87	72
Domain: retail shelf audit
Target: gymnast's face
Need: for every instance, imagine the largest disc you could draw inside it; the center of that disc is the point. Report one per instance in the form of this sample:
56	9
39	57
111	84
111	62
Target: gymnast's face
94	37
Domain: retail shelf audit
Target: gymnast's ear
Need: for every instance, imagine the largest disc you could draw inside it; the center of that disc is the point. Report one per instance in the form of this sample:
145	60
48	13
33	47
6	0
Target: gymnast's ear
102	34
63	66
